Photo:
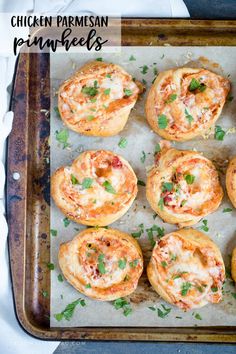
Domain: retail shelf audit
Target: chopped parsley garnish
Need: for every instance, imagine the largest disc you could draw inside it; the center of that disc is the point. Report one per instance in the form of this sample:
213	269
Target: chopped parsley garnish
234	295
167	186
227	210
214	289
45	293
107	91
108	76
157	149
53	232
66	222
87	286
50	266
195	84
161	312
122	263
62	137
128	92
69	310
132	58
74	179
159	233
98	59
164	264
189	179
184	201
144	82
161	203
121	303
108	187
60	278
173	257
143	157
141	183
188	116
162	121
172	97
123	143
198	316
204	227
155	71
134	263
93	100
90	91
138	233
185	288
144	69
219	133
101	264
87	183
90	118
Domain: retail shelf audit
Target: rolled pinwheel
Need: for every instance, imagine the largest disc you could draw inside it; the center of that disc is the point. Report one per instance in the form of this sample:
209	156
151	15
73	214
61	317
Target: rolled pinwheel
186	269
97	189
104	264
231	181
184	102
183	187
97	99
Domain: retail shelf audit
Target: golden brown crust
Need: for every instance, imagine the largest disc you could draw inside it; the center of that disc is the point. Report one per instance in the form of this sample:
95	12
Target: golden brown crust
233	265
231	181
189	113
104	264
97	189
186	269
97	99
183	187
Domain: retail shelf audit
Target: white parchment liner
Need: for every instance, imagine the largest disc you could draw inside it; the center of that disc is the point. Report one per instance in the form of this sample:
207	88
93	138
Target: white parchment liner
222	226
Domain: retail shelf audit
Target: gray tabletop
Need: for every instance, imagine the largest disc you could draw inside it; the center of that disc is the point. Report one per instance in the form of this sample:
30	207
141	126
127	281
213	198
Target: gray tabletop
207	9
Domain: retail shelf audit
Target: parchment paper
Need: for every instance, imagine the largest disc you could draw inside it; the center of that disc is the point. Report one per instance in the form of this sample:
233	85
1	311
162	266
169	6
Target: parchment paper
141	138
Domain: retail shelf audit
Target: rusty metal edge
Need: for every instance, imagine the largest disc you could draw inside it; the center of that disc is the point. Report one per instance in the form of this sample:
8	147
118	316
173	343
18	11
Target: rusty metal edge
17	217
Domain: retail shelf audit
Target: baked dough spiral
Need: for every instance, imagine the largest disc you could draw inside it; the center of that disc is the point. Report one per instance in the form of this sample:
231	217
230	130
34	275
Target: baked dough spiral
97	189
233	265
183	187
185	102
97	99
104	264
186	269
231	181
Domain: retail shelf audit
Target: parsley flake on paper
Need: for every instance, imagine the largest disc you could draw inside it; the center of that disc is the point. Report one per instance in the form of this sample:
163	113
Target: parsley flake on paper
62	137
68	312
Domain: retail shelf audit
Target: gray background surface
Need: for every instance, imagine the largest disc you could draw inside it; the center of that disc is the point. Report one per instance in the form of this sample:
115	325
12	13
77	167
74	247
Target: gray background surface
212	9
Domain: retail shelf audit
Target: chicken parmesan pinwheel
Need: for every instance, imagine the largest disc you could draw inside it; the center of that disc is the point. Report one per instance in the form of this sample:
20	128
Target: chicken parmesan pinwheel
233	265
183	187
104	264
231	181
186	269
97	99
97	189
185	102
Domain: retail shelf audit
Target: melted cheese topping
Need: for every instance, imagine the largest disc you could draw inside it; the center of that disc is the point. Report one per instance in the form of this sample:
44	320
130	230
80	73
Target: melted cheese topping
185	185
102	263
191	275
97	184
87	98
186	109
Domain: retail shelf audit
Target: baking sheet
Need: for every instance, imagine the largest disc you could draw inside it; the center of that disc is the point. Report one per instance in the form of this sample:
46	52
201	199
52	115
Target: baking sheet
141	138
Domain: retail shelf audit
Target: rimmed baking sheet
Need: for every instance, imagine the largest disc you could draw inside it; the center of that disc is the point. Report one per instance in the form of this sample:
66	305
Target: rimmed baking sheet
140	138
